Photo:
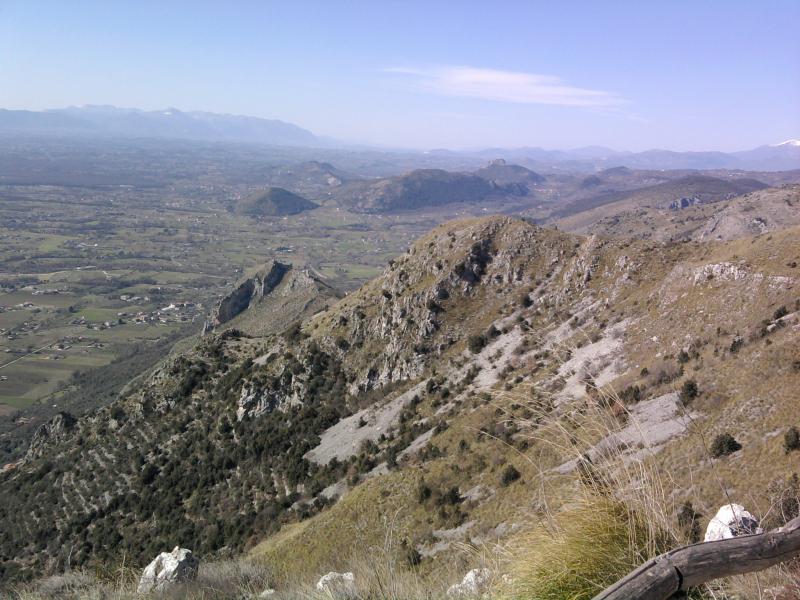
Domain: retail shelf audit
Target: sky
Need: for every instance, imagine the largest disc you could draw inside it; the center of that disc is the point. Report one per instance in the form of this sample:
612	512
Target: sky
630	75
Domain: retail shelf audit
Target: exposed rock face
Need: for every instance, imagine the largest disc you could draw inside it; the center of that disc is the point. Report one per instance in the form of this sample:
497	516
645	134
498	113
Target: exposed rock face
475	583
252	288
253	402
731	520
55	430
168	568
338	585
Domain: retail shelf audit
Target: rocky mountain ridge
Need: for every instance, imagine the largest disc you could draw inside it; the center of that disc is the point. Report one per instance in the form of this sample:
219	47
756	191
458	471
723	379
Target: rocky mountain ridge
754	213
436	375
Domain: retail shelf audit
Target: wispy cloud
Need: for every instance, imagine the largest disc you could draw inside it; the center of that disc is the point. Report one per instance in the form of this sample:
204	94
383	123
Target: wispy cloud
502	86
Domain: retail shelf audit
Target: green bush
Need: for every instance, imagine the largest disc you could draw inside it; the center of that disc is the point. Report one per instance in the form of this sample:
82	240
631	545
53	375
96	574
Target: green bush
689	522
509	475
723	445
689	391
476	343
423	492
791	439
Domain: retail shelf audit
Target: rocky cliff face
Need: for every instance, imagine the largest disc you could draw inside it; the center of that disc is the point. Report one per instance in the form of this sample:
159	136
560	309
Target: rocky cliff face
249	291
55	431
276	296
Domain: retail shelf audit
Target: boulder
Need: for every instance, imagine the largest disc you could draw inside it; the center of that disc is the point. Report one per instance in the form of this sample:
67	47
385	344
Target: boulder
731	521
168	568
475	583
338	585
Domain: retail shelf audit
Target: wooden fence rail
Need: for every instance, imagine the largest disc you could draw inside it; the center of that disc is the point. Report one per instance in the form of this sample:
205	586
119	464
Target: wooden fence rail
678	570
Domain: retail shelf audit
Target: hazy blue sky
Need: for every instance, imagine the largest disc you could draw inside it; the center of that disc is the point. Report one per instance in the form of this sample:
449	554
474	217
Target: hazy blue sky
630	75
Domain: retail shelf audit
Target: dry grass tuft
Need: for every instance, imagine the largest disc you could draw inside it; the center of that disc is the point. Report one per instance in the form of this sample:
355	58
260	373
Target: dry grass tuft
620	512
591	546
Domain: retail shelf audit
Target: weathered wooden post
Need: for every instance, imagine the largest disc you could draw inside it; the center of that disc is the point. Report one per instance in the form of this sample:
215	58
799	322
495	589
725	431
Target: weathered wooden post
683	568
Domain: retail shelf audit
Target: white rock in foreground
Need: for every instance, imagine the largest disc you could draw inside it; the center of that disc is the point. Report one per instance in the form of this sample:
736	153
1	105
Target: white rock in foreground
730	521
168	568
474	583
339	585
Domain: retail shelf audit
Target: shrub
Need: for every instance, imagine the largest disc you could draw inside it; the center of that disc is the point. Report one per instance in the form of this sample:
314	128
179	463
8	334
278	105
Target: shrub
433	306
689	522
784	497
689	391
791	439
423	492
476	343
723	445
631	394
780	313
451	496
509	475
412	556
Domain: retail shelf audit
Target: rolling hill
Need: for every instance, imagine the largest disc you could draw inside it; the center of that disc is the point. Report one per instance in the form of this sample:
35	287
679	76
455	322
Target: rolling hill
272	202
502	174
423	188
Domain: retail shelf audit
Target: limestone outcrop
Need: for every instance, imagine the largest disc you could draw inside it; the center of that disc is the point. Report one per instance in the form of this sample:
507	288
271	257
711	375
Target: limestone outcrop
338	585
731	520
168	568
475	583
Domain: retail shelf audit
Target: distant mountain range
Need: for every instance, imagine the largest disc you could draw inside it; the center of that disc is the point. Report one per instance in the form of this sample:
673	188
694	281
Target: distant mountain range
168	123
778	157
111	121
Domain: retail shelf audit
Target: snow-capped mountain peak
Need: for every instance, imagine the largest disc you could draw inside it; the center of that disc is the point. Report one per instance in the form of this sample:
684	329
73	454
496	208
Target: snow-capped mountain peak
789	143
